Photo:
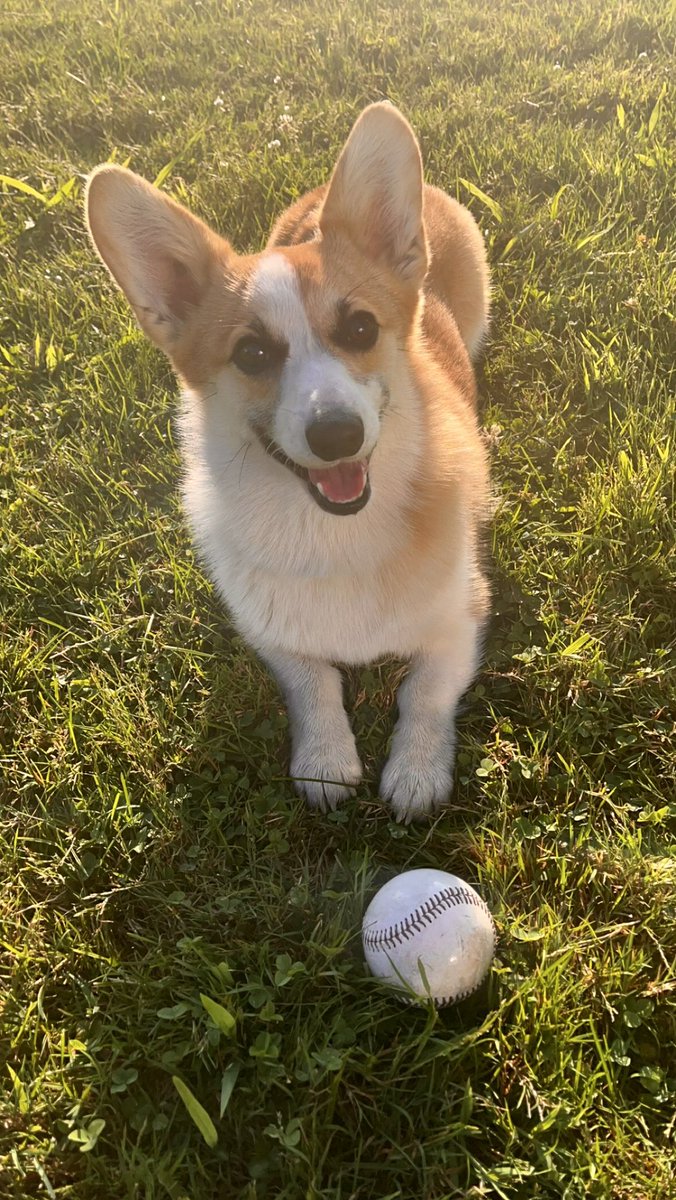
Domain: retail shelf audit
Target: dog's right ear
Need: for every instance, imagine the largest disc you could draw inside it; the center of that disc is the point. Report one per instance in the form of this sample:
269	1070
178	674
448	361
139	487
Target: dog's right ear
161	256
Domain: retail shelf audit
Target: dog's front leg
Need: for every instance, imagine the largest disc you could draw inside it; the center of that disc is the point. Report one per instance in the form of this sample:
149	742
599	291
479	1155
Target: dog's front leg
418	775
325	765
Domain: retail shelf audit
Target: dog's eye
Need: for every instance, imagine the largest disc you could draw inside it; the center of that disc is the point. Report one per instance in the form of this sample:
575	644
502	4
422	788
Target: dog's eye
253	355
357	331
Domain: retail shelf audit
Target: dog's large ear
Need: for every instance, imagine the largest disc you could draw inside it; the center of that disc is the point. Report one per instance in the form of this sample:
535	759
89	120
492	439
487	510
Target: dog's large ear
160	255
376	192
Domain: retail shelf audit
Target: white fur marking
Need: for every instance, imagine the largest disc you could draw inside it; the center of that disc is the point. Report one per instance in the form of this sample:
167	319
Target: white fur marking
311	376
418	776
275	294
324	761
319	379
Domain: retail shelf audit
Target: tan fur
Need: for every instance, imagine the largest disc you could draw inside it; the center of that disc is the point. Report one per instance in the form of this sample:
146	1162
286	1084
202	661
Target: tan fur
403	574
438	356
457	276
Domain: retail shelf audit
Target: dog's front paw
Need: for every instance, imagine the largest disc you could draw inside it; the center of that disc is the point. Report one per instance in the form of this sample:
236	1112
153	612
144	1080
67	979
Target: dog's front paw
415	787
326	775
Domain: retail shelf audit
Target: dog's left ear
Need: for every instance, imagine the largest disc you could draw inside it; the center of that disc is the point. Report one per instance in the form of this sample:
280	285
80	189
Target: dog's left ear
376	192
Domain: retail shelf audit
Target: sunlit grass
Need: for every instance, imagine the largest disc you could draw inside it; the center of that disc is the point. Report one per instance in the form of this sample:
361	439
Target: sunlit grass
153	853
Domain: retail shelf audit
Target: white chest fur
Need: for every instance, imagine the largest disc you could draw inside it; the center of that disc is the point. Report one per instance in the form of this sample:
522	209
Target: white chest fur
301	580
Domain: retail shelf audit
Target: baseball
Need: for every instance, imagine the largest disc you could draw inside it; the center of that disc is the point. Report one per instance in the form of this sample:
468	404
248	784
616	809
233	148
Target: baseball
430	933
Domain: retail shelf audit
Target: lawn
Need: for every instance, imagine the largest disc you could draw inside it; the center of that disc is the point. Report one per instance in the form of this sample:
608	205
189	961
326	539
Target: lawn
168	908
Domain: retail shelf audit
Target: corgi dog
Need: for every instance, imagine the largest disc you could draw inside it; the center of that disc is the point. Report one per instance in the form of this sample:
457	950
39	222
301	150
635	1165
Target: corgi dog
335	480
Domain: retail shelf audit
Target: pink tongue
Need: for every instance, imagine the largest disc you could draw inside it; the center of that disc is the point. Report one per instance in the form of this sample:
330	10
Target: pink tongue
342	483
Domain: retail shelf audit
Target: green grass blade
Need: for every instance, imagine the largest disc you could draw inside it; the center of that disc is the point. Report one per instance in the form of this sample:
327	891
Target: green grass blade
490	203
20	186
220	1016
198	1114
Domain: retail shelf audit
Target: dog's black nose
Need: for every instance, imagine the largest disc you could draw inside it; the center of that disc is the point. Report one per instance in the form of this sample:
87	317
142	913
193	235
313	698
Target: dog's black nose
332	435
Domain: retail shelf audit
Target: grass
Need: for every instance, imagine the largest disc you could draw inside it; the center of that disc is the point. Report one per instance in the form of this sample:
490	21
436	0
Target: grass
152	851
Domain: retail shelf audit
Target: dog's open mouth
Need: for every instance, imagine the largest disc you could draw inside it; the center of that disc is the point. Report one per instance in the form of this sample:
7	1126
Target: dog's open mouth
342	489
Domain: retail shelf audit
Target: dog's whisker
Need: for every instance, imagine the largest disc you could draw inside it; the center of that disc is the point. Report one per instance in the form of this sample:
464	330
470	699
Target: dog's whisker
241	468
244	446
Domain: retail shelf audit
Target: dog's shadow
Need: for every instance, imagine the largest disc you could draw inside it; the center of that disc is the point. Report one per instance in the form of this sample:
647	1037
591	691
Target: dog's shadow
239	752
